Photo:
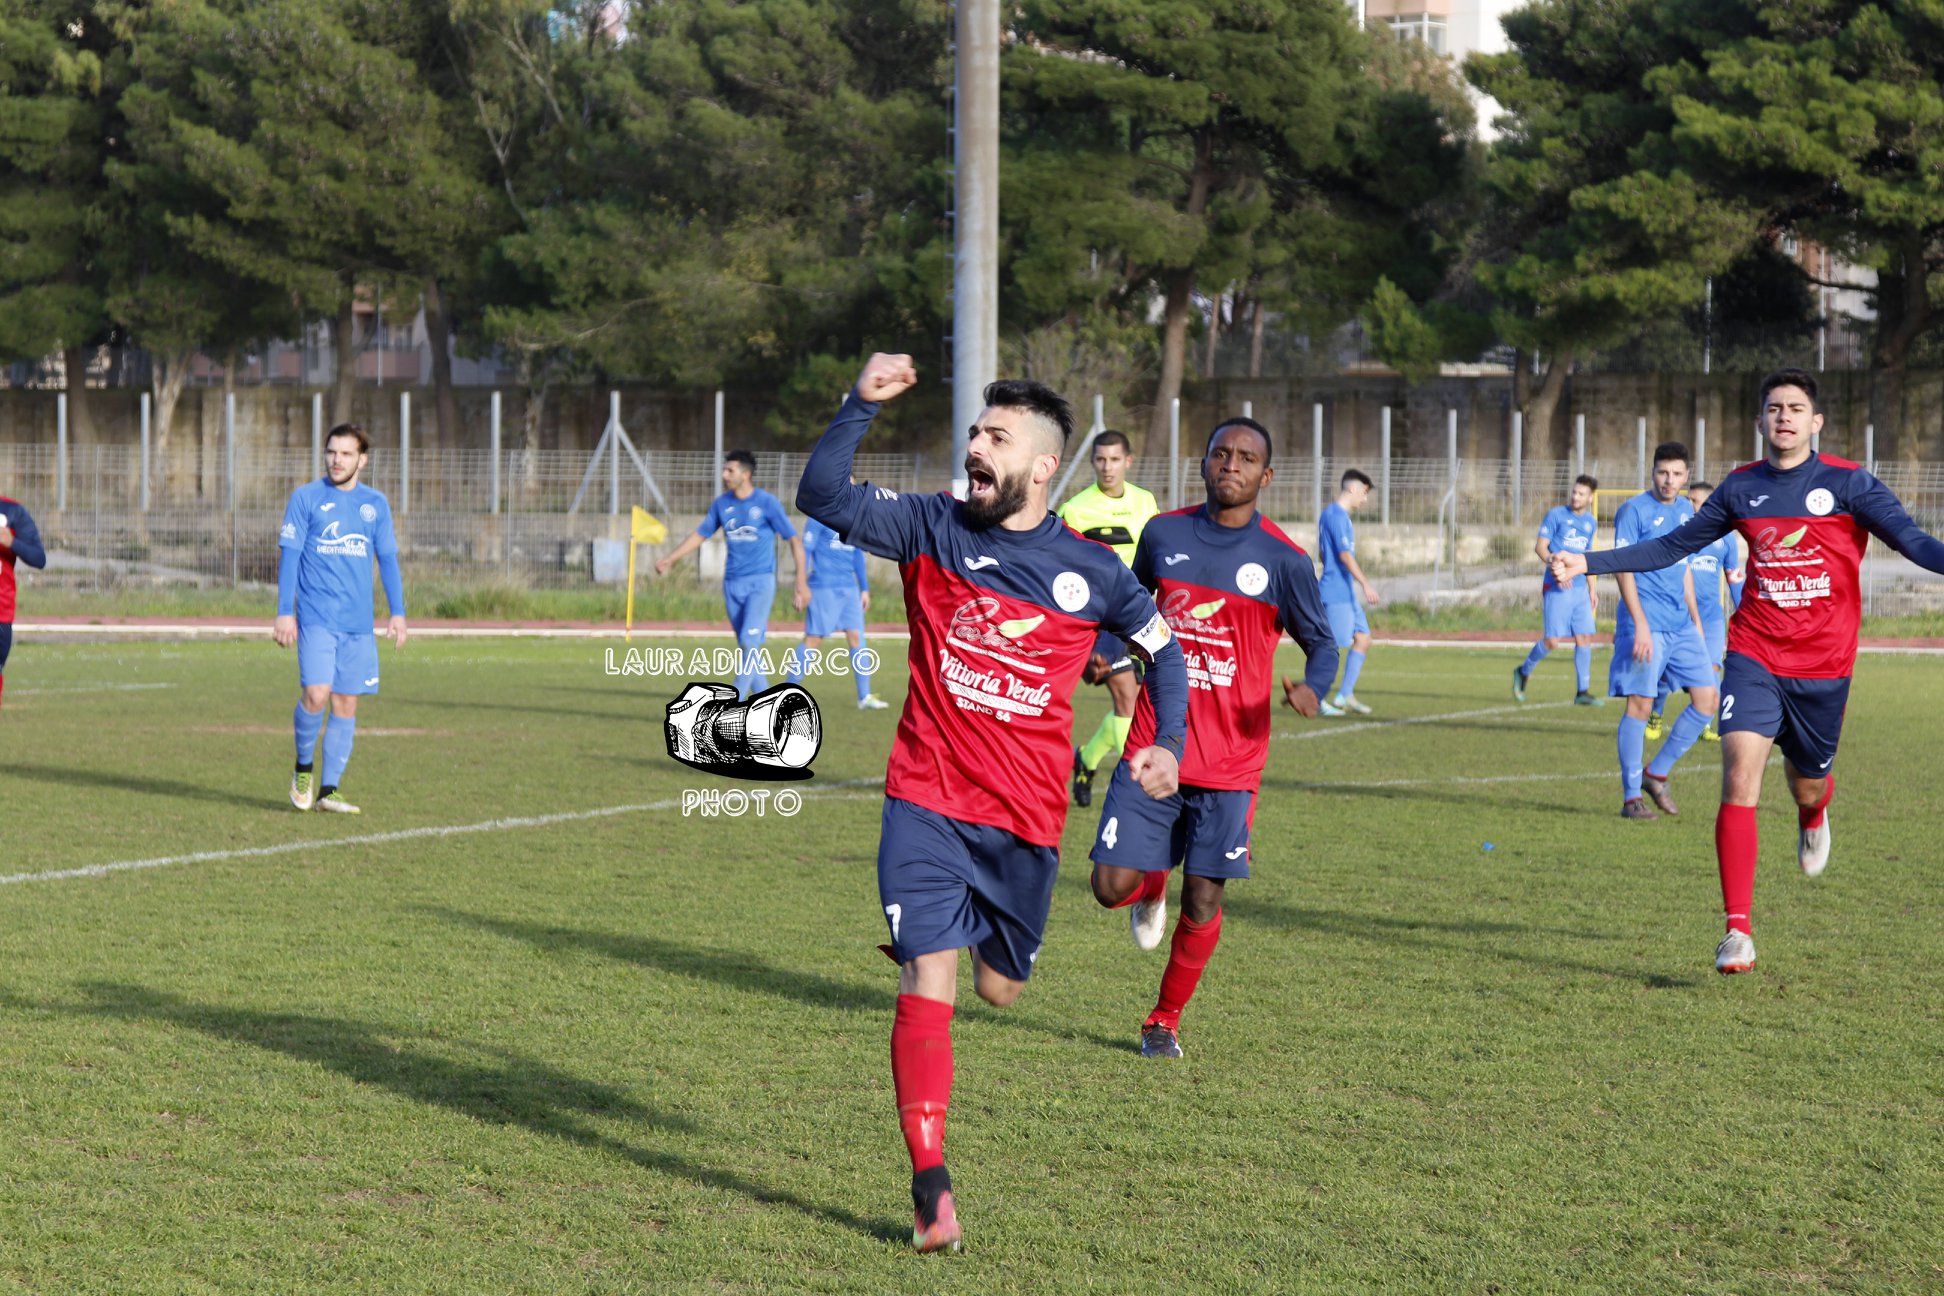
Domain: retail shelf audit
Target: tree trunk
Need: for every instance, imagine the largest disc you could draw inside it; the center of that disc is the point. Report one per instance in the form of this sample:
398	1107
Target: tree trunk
1255	338
80	424
344	343
1214	334
438	333
1541	405
1903	315
1174	319
168	371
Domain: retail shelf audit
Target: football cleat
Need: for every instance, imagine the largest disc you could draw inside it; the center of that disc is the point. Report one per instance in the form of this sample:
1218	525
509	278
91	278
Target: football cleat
1711	734
1656	790
336	804
1635	808
1812	846
1158	1041
1583	698
872	702
1082	781
1655	726
1518	683
1350	703
1148	920
934	1221
1325	707
303	789
1736	953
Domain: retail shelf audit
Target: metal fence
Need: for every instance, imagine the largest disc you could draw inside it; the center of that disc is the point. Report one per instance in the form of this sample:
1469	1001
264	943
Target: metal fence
1435	527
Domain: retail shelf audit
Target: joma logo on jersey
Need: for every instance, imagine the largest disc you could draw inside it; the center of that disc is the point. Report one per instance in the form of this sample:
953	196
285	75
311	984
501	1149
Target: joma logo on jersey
978	627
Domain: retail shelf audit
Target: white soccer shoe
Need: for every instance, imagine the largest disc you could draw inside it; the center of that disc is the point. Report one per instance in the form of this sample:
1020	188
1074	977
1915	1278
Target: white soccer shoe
1348	702
303	788
336	804
1149	921
1736	953
1812	847
872	702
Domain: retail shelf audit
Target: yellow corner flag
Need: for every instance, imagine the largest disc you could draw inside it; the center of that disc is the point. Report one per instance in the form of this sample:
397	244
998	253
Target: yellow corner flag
643	528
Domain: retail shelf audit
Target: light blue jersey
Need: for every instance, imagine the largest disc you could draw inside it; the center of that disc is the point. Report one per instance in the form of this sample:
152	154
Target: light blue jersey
1335	536
1663	596
1709	565
833	564
1565	531
334	535
751	526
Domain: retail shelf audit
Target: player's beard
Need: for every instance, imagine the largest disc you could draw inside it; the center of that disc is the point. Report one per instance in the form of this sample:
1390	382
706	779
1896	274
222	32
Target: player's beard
1007	497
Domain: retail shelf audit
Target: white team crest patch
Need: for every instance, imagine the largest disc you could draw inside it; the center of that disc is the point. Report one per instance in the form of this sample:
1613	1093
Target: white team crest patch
1251	578
367	512
1070	591
1820	501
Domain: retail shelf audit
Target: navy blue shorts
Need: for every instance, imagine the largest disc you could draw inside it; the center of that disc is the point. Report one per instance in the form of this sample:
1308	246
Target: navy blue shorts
946	884
1119	659
1206	830
6	642
1804	716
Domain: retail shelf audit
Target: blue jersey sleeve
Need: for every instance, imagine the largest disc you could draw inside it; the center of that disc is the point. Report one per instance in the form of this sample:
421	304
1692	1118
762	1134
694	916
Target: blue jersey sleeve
1300	605
779	518
858	565
1338	538
1711	523
1876	507
872	517
1548	531
295	522
712	520
26	543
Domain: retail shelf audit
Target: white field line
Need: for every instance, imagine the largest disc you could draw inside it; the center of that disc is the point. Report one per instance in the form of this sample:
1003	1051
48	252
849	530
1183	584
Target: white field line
85	688
374	839
1337	730
1464	779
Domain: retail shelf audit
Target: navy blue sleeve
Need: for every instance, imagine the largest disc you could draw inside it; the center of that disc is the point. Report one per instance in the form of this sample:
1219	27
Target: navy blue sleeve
1132	615
1707	526
871	517
1876	507
26	542
1301	610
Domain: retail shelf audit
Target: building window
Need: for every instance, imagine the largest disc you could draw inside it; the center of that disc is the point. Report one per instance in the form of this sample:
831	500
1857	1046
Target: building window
1426	29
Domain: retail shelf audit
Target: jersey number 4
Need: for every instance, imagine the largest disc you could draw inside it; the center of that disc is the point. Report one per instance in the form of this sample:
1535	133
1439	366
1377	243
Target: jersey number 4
1110	832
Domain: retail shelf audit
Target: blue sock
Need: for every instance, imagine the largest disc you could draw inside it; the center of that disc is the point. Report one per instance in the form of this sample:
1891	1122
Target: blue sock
794	661
1537	655
1583	666
1352	667
1632	745
1685	733
337	748
306	723
1660	702
863	676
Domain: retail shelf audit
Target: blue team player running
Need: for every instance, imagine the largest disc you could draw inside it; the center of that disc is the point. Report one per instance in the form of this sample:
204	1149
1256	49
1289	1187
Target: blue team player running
1568	609
19	540
1657	638
840	595
1342	580
1004	604
332	530
1716	559
750	520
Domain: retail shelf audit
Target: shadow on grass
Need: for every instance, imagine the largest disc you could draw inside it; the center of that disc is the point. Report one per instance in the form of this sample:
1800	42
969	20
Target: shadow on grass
1467	935
110	781
742	971
510	1090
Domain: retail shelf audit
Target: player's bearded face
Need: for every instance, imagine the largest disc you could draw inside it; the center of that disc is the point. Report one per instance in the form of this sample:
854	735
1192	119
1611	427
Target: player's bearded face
342	461
994	495
1234	468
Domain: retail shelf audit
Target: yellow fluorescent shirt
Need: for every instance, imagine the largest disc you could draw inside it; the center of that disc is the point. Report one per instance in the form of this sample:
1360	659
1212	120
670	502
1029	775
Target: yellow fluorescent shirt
1113	522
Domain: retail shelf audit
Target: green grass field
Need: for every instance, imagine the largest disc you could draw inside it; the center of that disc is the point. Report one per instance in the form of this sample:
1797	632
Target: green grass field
624	1050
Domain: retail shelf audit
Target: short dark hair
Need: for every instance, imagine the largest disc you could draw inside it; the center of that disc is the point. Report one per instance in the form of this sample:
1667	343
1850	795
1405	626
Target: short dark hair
1354	475
1268	444
352	430
1111	438
1701	485
1791	378
1024	393
744	457
1670	450
1590	482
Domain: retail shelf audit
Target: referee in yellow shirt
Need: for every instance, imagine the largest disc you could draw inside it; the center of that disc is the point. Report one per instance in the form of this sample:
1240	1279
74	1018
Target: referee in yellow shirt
1111	511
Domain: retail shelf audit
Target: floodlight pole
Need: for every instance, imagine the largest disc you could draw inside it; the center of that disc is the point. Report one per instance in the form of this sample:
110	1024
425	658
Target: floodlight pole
975	194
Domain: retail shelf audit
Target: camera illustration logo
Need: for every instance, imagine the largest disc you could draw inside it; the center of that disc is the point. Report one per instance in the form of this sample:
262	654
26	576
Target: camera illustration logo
773	736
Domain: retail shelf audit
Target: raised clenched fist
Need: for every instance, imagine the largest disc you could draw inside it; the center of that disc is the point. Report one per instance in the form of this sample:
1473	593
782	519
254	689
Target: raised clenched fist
886	376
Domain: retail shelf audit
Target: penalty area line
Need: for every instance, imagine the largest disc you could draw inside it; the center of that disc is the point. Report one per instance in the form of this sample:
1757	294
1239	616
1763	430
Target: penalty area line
1334	731
376	839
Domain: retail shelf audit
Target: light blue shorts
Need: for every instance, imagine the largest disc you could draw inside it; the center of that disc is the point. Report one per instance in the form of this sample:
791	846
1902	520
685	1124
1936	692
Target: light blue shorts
1568	612
346	660
832	610
1347	620
1680	662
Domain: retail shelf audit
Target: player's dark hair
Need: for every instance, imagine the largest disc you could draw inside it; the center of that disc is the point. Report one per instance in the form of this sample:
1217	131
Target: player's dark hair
352	430
743	457
1700	485
1268	445
1667	451
1024	393
1591	483
1111	438
1354	475
1791	378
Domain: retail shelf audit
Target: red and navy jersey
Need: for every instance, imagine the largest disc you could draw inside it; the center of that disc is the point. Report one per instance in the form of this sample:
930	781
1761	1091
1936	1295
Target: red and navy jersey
1806	528
25	546
1002	623
1229	594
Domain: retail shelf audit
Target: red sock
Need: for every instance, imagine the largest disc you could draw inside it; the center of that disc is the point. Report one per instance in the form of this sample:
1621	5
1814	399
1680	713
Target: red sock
1735	852
1813	817
921	1075
1187	955
1153	887
3	684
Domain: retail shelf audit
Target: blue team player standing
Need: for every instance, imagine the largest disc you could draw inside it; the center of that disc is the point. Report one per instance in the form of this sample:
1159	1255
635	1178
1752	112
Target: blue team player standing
332	530
1568	610
1342	581
19	540
840	595
1708	565
750	520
